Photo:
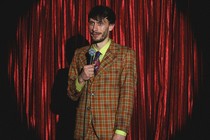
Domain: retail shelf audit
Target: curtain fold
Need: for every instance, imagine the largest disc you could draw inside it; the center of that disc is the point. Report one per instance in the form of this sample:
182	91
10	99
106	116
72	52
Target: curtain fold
167	60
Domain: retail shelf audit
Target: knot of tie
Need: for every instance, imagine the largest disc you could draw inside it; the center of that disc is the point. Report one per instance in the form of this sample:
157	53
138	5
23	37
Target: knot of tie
96	61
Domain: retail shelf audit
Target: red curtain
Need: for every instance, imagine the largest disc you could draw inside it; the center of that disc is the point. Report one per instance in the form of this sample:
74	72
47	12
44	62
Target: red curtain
167	58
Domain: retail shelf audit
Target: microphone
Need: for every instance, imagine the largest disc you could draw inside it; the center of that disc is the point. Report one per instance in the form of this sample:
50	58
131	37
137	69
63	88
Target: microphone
91	55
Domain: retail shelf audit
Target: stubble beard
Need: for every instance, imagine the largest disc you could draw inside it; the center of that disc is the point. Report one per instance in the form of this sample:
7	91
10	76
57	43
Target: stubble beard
103	37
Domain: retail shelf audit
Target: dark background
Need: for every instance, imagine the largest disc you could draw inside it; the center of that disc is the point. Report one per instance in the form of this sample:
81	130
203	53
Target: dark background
196	128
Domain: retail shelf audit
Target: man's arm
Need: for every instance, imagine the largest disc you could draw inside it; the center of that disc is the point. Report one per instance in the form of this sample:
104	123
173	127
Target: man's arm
127	91
73	87
77	78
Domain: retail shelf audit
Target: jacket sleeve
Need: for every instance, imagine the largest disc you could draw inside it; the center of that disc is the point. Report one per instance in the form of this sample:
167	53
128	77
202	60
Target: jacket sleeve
128	83
72	76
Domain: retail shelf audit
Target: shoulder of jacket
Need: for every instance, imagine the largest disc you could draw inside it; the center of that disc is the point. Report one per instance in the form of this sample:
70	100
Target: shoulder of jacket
123	48
83	49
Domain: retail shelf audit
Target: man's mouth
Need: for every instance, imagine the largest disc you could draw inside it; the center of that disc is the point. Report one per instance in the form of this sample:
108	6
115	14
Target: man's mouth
95	35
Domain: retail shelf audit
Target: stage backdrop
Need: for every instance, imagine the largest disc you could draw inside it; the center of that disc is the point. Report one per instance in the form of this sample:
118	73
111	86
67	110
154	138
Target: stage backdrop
167	58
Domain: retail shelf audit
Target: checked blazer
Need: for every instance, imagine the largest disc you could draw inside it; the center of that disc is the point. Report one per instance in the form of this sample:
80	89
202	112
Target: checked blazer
110	93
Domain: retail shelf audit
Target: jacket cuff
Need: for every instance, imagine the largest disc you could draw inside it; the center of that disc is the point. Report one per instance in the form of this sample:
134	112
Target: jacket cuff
120	132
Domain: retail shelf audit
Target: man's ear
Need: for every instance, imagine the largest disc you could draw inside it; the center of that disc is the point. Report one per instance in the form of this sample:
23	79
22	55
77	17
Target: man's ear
111	26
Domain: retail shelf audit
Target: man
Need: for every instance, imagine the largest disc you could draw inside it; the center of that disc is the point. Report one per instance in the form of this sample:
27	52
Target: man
105	97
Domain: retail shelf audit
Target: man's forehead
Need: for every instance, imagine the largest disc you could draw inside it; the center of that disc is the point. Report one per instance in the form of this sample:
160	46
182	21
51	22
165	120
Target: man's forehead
97	19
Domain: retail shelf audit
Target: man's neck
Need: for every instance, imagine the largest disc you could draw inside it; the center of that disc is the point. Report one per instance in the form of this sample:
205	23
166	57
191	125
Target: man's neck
101	44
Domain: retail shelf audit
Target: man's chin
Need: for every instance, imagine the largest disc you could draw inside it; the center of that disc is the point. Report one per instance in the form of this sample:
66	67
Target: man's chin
97	41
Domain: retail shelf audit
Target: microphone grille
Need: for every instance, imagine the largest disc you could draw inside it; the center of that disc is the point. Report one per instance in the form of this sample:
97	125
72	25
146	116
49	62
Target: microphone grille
92	52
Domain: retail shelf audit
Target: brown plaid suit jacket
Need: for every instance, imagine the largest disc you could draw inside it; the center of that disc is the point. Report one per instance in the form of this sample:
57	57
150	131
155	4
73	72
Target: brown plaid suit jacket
110	93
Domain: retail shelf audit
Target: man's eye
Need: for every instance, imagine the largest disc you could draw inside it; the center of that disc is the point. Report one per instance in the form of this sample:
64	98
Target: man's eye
100	23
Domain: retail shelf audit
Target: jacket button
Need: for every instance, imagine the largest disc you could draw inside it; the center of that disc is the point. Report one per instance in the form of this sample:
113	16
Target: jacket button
88	108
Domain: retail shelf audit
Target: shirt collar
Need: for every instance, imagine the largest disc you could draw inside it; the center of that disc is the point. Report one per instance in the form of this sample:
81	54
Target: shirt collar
104	48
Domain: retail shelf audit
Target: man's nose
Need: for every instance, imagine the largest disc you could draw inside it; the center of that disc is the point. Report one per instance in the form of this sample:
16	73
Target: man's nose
95	27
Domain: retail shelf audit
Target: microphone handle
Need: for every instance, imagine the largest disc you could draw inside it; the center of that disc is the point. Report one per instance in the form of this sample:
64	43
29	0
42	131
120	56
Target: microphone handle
91	60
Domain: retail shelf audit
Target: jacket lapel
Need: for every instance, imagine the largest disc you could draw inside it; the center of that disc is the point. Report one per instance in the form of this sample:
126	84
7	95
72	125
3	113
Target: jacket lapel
108	58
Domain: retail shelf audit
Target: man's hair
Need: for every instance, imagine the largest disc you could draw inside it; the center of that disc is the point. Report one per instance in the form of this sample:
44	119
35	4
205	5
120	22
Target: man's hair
100	12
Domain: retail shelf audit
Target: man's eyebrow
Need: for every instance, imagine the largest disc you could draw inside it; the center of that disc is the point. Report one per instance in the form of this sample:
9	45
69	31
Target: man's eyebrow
95	20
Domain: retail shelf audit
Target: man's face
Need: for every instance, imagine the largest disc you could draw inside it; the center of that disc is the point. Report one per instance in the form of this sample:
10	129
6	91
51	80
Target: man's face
99	30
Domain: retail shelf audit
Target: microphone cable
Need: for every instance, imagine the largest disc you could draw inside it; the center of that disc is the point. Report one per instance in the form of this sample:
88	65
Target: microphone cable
91	54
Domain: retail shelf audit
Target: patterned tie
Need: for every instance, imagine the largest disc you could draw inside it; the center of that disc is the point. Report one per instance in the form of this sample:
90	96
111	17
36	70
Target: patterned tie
96	61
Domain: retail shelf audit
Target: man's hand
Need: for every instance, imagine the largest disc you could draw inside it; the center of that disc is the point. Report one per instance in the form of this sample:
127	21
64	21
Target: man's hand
118	137
87	73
